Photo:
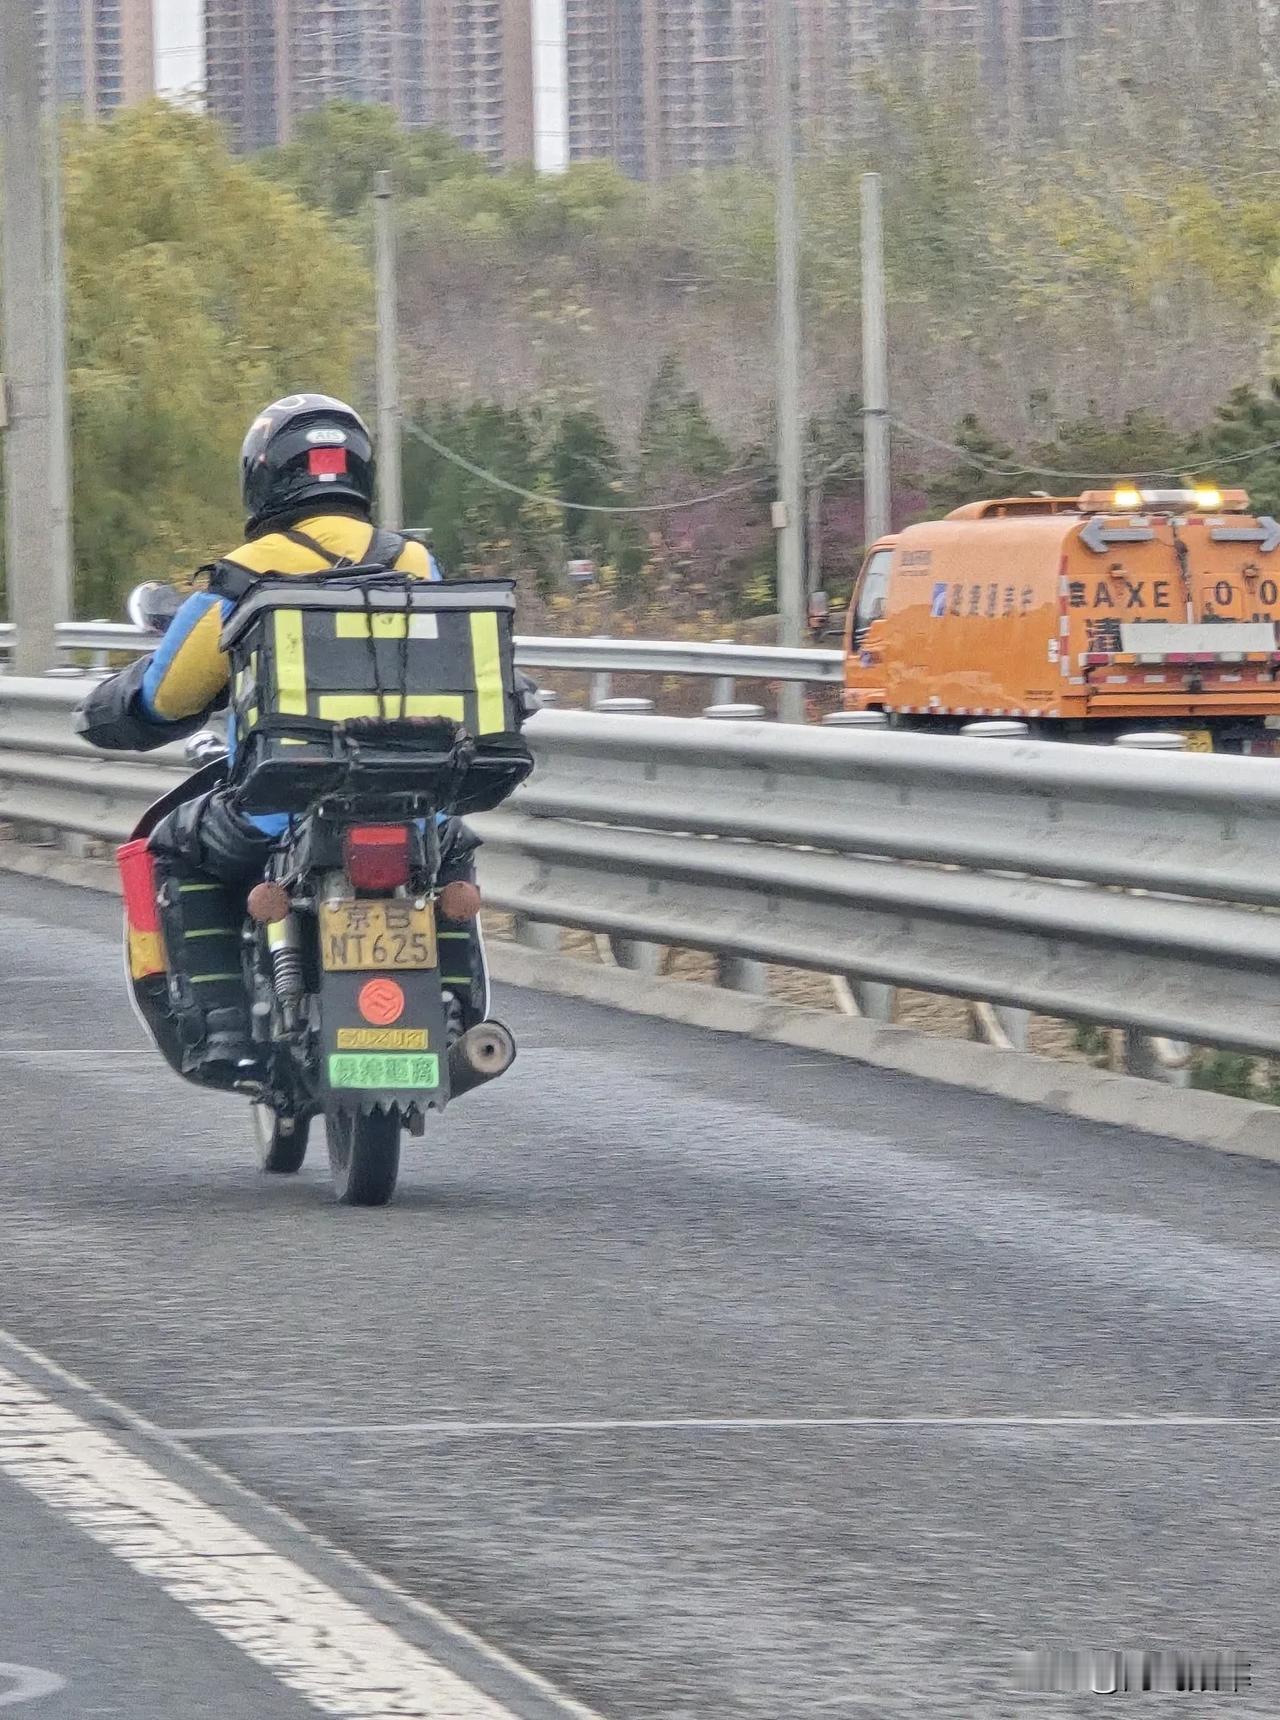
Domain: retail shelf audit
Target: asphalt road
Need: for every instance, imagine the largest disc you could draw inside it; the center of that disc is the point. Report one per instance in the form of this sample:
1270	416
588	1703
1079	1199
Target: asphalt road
706	1379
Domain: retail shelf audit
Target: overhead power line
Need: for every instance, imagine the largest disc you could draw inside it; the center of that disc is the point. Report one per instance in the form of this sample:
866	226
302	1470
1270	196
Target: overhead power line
496	481
1032	471
500	483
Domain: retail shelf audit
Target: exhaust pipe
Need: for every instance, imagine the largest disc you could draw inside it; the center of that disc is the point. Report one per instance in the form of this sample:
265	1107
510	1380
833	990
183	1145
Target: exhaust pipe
482	1054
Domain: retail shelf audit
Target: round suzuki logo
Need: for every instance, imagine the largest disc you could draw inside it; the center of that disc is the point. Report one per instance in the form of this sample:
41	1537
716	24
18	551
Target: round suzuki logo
381	1002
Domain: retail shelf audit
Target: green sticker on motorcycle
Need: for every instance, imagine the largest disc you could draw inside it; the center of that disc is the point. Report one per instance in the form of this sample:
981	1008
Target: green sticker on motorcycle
350	1069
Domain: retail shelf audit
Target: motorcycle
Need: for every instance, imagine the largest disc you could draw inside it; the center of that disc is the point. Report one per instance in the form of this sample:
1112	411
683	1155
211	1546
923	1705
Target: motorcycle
370	710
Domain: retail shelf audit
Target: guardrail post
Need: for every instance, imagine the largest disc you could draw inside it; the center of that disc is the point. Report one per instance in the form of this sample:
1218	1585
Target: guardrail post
100	659
996	729
1153	740
855	720
1147	1055
734	713
601	687
723	687
1015	1024
868	998
1000	1024
536	934
637	956
625	707
1157	1059
740	973
632	953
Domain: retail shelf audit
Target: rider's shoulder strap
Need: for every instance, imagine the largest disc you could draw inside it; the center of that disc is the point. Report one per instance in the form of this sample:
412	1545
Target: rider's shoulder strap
227	578
384	551
385	548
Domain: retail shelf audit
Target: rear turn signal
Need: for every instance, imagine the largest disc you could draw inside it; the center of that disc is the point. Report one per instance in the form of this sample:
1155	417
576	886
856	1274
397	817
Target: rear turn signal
378	856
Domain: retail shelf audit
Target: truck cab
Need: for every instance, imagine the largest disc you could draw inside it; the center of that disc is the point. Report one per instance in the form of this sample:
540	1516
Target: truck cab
864	630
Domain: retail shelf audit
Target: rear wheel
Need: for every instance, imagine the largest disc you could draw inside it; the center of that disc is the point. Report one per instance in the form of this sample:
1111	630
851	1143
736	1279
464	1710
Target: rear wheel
282	1140
364	1155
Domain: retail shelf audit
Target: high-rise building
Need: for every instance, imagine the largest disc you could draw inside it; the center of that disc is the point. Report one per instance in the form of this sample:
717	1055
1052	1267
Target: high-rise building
463	65
99	53
479	73
658	86
837	41
242	68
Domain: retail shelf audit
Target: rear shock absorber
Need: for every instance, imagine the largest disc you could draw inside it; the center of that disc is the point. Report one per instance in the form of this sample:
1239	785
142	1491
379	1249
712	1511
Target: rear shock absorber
284	941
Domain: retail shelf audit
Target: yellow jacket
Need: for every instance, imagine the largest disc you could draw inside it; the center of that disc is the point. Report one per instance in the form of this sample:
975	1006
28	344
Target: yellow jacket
188	672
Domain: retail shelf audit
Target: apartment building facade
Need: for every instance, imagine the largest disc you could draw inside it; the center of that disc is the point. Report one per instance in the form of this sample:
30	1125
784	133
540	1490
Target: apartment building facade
463	65
660	86
98	55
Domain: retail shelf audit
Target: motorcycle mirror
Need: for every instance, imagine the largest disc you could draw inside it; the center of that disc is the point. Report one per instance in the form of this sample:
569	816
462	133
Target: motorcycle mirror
153	606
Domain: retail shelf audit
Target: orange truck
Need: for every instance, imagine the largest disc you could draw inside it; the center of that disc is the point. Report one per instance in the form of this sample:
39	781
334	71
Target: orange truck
1113	611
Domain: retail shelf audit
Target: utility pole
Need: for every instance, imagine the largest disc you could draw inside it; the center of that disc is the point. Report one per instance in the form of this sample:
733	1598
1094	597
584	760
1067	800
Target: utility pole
36	597
60	528
875	365
390	495
788	518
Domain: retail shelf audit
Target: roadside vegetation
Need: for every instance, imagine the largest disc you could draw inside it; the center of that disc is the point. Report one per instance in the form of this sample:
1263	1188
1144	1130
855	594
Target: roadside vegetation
1096	298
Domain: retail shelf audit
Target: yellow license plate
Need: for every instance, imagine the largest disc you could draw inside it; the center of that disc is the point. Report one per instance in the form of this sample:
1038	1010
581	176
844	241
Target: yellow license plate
1198	740
379	936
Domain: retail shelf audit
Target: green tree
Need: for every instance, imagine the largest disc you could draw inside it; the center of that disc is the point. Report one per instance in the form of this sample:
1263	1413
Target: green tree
337	149
1246	420
976	472
586	468
476	525
196	293
677	439
1087	453
1092	450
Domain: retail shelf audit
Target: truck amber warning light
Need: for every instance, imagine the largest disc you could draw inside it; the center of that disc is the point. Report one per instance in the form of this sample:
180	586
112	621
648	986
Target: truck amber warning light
1128	499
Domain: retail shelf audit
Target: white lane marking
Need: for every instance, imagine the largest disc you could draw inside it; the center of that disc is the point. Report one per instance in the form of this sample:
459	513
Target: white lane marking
710	1424
62	1379
330	1651
29	1684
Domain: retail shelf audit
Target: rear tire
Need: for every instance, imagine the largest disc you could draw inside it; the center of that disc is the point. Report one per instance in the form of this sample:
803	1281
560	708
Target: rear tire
282	1141
364	1155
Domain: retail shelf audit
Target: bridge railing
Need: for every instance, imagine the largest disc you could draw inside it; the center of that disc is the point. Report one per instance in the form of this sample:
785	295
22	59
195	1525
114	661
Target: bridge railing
1134	890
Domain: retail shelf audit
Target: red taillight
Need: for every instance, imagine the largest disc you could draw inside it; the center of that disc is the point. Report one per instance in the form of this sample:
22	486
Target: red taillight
378	855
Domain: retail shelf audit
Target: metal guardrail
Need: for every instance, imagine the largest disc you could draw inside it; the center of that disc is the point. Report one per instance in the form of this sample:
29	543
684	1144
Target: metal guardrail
1129	889
601	656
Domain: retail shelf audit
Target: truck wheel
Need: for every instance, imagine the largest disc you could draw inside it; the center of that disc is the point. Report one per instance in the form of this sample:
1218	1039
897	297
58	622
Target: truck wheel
364	1155
282	1141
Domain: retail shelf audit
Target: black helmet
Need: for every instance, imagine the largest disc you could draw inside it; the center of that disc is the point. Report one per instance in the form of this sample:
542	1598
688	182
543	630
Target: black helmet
302	449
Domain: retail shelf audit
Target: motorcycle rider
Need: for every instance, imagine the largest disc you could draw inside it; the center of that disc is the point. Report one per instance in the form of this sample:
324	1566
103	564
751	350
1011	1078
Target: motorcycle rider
307	477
